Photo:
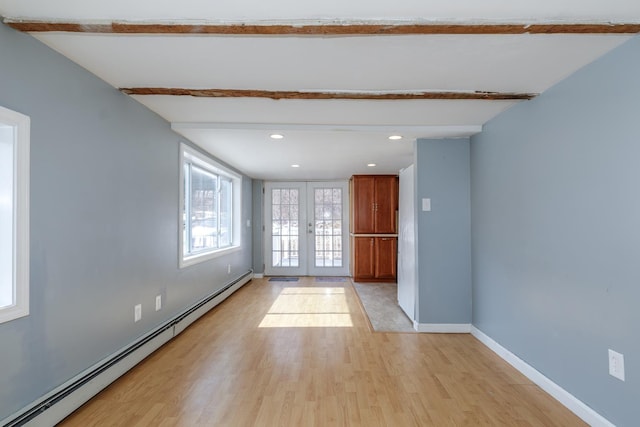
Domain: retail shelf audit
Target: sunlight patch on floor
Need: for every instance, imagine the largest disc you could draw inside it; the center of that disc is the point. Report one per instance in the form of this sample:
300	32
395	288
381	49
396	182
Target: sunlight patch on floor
309	307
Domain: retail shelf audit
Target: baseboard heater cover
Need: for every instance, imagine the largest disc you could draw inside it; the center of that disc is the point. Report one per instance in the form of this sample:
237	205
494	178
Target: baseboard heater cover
62	401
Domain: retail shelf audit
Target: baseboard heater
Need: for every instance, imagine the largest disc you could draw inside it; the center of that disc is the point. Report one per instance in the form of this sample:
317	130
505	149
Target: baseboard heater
58	404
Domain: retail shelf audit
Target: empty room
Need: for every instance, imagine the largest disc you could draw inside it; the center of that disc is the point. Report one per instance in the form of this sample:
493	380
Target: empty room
411	213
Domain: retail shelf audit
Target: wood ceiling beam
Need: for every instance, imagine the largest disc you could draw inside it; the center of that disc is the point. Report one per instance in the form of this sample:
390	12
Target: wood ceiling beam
252	93
344	29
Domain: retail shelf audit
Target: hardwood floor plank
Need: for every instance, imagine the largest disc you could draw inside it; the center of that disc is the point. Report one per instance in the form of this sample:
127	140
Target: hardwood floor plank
231	369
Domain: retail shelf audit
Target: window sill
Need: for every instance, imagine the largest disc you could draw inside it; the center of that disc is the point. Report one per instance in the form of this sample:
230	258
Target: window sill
13	312
196	259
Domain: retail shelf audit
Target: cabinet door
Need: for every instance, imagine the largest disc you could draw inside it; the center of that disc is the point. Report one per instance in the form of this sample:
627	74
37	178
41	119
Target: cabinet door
363	260
385	204
363	204
386	249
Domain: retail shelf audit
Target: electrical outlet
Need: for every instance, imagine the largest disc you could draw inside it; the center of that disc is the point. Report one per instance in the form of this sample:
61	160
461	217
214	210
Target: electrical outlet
616	364
158	302
137	312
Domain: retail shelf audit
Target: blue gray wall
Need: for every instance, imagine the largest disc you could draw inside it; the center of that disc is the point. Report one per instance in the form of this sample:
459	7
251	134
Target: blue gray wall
556	231
443	234
104	222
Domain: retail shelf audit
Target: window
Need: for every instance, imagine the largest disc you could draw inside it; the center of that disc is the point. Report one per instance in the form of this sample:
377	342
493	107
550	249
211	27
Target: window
14	215
210	208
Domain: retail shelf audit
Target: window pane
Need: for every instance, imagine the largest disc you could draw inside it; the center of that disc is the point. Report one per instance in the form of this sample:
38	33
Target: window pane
337	196
204	202
337	228
319	261
186	170
327	195
337	211
6	215
337	254
275	212
225	212
326	212
277	251
293	251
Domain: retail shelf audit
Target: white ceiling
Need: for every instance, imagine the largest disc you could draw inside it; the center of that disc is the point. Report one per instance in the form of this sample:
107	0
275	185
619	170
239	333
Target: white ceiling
329	139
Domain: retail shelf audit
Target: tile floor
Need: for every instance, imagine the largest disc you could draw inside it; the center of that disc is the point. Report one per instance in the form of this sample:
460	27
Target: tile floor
380	301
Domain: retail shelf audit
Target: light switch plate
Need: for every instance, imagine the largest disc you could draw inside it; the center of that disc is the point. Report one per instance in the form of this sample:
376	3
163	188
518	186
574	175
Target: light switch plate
616	364
426	205
158	302
137	312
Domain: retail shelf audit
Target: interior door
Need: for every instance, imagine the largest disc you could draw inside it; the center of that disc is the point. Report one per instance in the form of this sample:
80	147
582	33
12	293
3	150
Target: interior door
306	228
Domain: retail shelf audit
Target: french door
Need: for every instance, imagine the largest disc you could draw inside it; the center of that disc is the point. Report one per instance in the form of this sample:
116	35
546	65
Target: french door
306	228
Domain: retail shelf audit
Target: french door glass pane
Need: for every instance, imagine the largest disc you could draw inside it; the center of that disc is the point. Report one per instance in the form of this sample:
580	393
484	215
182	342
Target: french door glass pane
328	227
285	227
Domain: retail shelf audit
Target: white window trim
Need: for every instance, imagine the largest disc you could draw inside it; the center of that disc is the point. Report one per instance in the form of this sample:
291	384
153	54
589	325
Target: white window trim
188	153
21	162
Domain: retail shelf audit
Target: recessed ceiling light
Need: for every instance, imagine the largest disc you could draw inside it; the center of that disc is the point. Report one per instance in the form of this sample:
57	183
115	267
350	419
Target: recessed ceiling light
276	136
371	165
295	166
395	137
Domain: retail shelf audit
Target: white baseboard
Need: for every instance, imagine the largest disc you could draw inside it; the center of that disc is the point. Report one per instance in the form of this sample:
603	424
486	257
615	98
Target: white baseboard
442	328
258	275
572	403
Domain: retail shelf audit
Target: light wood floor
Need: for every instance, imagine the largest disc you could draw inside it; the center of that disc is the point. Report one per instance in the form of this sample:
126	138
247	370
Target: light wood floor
303	354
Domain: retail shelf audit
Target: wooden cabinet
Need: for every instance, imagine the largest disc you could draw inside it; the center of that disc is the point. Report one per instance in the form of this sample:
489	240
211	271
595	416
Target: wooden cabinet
374	207
374	259
374	204
386	250
363	258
